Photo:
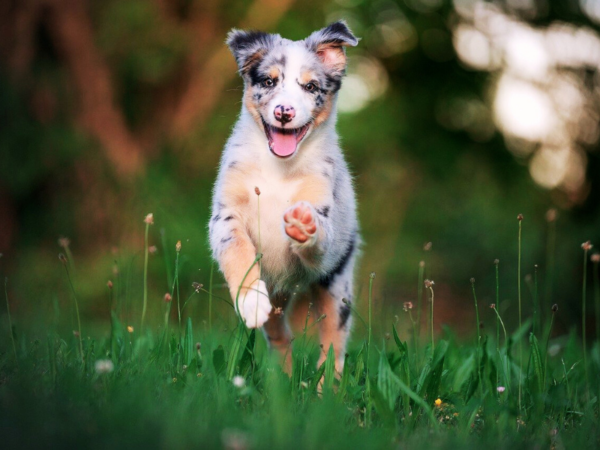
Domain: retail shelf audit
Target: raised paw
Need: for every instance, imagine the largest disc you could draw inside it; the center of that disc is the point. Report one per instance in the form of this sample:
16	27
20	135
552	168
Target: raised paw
255	305
299	222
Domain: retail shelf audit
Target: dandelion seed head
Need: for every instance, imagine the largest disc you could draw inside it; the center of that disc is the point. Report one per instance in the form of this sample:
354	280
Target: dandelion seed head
197	286
104	366
428	284
152	249
109	284
595	258
520	217
500	389
178	246
587	246
407	306
257	190
168	298
472	280
493	306
421	264
238	381
149	219
496	261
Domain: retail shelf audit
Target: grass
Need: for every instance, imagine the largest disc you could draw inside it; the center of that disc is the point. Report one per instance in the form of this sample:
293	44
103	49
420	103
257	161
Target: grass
219	387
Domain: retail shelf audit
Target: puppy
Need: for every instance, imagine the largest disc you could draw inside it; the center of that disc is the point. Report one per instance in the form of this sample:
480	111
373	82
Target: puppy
284	155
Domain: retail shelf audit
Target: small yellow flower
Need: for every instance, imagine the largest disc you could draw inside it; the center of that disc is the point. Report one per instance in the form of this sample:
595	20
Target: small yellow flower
130	329
438	402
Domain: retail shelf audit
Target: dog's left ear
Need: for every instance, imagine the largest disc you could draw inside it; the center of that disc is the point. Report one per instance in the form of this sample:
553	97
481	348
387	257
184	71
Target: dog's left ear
329	44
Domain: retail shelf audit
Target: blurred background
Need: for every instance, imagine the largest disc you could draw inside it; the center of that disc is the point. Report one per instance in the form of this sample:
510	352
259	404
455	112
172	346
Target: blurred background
455	117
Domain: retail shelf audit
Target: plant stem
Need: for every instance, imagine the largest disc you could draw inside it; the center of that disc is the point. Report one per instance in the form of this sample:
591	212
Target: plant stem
176	286
520	318
145	278
210	294
547	343
419	301
10	328
497	305
583	313
505	342
370	323
77	311
478	357
550	250
597	299
536	303
431	320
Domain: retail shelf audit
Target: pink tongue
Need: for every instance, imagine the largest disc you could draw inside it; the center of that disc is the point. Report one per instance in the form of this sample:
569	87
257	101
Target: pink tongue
283	144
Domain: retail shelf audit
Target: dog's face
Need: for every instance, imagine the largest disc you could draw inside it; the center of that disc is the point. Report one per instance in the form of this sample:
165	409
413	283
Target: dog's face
290	86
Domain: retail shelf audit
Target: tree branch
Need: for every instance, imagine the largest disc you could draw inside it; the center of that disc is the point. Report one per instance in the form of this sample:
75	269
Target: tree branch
71	31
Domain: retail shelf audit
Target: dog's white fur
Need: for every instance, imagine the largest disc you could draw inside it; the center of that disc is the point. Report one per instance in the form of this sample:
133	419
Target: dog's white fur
315	180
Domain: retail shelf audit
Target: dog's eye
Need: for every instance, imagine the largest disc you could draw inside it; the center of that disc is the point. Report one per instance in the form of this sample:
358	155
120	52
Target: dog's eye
310	87
268	82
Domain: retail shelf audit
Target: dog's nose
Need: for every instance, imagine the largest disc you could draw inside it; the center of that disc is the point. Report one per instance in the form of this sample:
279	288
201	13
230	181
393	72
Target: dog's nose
284	114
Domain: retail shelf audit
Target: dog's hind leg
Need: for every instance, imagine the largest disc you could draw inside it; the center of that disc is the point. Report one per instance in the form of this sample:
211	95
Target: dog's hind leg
277	333
335	327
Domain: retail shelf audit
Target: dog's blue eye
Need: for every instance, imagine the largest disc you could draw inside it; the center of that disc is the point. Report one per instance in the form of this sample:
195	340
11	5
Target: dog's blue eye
310	87
268	82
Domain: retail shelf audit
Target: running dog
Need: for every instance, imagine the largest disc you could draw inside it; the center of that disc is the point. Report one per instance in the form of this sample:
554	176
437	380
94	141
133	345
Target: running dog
284	155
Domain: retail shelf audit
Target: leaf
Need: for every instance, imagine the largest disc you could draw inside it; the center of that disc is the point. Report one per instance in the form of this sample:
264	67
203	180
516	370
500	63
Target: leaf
247	359
235	350
317	377
432	382
402	347
386	382
536	360
382	406
116	337
219	360
188	343
329	368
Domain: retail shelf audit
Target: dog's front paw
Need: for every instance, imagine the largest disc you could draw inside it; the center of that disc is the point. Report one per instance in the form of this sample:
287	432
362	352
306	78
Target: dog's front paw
299	223
255	305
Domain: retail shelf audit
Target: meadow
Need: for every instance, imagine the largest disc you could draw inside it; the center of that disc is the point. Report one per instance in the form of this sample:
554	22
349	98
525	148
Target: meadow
139	379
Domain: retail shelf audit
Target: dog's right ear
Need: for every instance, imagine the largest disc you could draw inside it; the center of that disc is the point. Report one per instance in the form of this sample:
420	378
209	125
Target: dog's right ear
249	47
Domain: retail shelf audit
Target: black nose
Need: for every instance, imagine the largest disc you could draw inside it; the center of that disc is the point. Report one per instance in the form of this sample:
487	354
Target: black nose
284	114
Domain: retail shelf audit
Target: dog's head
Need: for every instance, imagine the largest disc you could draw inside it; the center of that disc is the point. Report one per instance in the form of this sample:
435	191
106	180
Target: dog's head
290	86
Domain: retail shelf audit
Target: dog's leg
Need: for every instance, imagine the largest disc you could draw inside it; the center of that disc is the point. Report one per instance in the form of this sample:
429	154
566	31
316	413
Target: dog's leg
277	333
335	327
235	253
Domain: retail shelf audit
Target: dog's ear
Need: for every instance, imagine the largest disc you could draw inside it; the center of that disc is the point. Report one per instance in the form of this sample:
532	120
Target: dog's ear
329	45
249	47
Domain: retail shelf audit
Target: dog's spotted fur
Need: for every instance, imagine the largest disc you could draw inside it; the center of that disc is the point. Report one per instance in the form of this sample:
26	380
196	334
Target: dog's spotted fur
308	229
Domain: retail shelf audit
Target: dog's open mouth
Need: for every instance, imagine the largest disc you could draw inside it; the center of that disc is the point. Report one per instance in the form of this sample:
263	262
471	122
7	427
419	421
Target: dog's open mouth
284	142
